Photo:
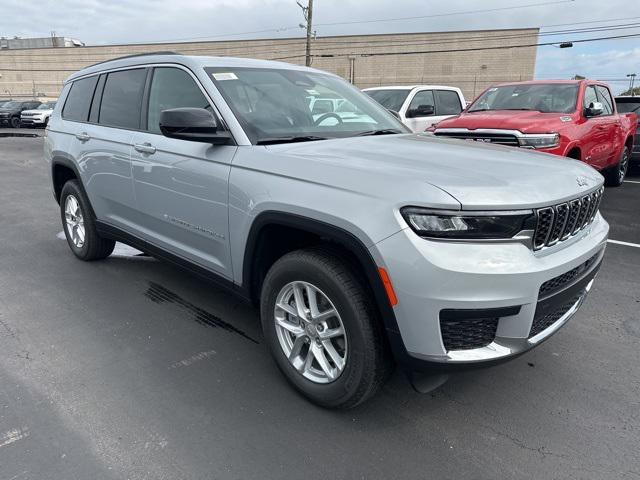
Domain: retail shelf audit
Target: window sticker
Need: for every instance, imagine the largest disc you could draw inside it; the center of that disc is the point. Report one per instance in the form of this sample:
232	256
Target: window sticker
224	76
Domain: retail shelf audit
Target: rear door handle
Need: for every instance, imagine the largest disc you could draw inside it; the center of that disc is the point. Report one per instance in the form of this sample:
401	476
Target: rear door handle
83	137
145	148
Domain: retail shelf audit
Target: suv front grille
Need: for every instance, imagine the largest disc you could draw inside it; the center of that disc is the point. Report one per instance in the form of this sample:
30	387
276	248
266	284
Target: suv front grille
559	222
542	322
499	138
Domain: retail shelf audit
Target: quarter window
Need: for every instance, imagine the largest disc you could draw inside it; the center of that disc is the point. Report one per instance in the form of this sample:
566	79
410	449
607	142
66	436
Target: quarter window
172	88
448	102
76	107
122	99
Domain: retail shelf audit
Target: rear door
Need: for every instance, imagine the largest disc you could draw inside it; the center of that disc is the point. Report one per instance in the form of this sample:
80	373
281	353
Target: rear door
182	186
447	104
100	139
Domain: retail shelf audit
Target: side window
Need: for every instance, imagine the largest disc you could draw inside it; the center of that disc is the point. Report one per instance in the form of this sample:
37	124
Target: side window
590	96
605	98
448	102
122	98
424	97
172	88
76	107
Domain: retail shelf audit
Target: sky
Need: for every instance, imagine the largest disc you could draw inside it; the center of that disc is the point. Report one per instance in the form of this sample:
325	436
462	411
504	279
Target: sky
129	21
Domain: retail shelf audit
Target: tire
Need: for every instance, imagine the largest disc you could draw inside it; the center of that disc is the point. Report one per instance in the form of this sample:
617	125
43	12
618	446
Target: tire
80	231
366	364
614	176
15	122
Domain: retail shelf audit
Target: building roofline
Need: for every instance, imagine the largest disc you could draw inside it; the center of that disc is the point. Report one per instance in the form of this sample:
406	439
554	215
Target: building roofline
319	39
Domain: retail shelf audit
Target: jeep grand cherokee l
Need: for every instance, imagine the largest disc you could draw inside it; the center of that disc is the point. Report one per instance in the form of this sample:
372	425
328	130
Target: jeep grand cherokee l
362	243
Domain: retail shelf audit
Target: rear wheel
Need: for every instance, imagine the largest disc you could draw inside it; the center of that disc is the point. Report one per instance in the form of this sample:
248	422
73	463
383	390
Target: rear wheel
614	176
321	329
79	225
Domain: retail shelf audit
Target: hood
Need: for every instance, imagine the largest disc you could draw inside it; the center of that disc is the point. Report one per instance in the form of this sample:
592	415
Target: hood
478	176
524	121
36	112
8	110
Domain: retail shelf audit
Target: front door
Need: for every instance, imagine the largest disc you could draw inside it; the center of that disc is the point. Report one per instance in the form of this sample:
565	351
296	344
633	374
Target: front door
181	186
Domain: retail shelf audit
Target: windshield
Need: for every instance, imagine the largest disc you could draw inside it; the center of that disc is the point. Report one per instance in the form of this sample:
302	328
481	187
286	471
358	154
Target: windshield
47	106
545	98
391	99
628	106
275	105
11	105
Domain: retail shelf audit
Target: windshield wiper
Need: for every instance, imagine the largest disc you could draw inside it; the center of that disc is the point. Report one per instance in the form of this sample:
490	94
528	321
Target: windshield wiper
301	138
382	131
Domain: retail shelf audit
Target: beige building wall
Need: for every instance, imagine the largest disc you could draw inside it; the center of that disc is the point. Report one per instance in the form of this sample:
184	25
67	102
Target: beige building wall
41	72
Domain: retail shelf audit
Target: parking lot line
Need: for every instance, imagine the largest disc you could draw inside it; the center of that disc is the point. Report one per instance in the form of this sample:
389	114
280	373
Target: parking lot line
631	181
628	244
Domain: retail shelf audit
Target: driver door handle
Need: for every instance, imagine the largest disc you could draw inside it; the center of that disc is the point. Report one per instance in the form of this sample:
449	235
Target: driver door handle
145	148
83	137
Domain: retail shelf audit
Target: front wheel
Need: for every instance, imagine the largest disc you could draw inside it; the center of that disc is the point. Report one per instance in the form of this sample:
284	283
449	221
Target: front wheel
15	122
321	329
615	175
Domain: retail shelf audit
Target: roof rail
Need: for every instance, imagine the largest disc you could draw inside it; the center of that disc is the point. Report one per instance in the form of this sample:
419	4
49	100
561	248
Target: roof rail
133	56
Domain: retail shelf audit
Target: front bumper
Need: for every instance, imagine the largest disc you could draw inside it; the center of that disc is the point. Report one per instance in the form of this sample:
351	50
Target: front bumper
430	277
31	121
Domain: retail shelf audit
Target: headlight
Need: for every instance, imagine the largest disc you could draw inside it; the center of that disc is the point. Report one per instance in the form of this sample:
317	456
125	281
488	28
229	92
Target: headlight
468	225
542	140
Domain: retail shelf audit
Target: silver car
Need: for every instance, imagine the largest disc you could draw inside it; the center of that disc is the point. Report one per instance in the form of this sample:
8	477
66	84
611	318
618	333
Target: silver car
365	246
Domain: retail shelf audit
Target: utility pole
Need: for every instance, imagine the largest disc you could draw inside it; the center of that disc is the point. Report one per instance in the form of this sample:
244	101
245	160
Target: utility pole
307	12
632	78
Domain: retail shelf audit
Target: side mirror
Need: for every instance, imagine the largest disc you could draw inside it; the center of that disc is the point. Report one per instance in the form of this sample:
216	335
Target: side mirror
194	124
421	111
593	110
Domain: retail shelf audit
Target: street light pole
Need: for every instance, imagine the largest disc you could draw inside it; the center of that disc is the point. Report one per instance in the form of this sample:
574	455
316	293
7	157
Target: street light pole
632	81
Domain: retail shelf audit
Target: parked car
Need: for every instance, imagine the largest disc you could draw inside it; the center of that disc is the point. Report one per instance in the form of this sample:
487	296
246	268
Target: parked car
38	117
571	118
10	112
420	106
361	243
631	105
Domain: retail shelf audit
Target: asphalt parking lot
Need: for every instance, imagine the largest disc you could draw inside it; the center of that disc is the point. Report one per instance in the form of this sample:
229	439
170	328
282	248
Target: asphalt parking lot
126	368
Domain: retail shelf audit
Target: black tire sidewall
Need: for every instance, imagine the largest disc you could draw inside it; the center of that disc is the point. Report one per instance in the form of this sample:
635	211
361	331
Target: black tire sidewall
612	176
288	270
72	188
14	122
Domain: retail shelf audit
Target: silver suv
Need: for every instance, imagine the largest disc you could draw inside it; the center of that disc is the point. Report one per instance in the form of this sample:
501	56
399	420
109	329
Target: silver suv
364	245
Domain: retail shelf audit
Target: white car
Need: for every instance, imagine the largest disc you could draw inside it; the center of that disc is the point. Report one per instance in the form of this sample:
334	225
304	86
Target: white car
38	117
420	106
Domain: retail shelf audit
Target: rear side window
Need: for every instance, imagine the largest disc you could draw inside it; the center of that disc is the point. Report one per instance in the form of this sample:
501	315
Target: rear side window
172	88
448	103
605	98
122	99
76	107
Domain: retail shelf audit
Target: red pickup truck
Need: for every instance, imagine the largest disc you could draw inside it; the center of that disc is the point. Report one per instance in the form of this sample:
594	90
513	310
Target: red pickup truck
572	118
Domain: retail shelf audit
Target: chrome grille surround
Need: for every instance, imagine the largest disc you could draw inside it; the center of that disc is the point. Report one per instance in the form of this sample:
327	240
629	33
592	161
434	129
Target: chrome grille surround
559	222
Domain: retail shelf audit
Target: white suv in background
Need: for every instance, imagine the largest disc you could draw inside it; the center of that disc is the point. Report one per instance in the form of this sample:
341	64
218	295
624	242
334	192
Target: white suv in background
37	117
420	106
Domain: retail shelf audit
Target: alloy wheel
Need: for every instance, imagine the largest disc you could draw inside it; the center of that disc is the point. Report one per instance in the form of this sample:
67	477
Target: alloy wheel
310	332
74	221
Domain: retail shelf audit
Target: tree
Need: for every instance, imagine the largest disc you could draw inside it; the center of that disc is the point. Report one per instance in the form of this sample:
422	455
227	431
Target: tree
628	92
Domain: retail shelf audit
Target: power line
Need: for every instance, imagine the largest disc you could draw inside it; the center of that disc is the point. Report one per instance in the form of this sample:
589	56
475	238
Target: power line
438	15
